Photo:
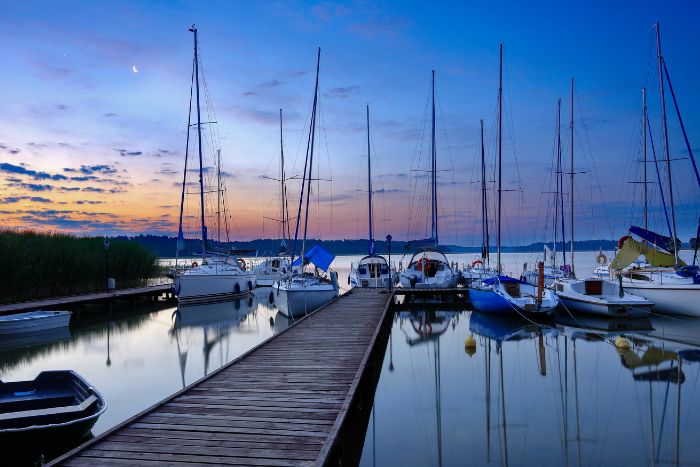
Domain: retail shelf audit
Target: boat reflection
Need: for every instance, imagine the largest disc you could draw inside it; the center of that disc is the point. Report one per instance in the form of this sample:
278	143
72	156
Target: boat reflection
426	325
34	339
215	319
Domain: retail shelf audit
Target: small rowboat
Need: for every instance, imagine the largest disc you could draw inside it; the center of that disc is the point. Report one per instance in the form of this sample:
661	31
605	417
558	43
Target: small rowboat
55	406
33	321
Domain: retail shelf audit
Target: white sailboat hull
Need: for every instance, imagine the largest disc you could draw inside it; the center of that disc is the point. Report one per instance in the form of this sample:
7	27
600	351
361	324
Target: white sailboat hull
442	281
293	301
673	299
605	301
604	307
212	286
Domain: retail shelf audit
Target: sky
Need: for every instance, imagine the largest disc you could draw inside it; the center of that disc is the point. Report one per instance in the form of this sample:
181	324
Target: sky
95	100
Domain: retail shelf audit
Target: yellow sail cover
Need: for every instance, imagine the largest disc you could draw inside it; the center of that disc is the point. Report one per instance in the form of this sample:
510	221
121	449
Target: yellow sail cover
632	249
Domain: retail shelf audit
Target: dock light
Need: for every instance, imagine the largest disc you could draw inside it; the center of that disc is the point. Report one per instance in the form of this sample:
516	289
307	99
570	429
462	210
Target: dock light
391	283
106	245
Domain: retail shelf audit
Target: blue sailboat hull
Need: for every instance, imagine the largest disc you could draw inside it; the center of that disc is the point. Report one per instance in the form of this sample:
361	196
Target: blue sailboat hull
489	301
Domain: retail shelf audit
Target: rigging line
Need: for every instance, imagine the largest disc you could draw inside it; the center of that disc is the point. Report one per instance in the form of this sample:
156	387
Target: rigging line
418	150
184	175
452	165
594	166
511	126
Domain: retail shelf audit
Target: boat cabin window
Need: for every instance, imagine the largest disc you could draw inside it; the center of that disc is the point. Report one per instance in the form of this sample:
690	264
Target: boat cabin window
512	289
594	287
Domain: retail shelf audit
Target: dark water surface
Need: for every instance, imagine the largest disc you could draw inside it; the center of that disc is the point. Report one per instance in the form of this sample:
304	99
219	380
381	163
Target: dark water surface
554	394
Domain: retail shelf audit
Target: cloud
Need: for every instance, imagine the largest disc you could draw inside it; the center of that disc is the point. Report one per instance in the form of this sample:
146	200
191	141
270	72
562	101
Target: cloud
93	189
271	83
91	169
343	91
86	201
249	93
17	199
109	114
125	152
21	169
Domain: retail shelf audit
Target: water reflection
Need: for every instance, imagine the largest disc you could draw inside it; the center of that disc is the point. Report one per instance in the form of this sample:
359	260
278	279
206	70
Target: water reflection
139	355
460	387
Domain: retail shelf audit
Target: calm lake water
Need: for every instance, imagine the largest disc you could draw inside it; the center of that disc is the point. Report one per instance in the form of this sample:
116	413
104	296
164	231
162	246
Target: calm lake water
136	356
555	394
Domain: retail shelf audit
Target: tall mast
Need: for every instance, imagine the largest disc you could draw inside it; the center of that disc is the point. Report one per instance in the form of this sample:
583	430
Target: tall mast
667	152
571	195
369	190
560	188
283	189
433	179
484	208
500	154
644	146
180	235
218	196
193	29
556	194
311	155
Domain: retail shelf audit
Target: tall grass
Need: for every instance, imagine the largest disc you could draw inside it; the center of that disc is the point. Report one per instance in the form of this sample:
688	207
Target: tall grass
40	265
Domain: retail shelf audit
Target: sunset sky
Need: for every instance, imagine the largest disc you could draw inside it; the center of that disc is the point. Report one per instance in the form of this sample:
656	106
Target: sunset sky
95	106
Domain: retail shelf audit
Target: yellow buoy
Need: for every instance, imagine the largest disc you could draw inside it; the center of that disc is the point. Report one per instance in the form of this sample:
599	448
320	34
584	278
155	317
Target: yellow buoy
622	343
470	345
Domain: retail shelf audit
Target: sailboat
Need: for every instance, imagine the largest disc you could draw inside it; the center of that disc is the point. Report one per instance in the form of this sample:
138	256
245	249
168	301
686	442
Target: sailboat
298	292
672	286
373	270
429	267
501	293
551	271
269	270
219	273
480	268
594	295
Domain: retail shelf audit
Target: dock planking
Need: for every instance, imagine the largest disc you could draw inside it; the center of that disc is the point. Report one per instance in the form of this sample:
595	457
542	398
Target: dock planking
285	402
72	300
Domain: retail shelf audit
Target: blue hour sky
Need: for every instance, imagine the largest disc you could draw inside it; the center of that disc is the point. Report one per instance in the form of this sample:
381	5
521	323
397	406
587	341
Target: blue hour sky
95	96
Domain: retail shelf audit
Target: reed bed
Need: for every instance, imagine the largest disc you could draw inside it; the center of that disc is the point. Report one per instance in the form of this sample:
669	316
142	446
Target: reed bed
37	265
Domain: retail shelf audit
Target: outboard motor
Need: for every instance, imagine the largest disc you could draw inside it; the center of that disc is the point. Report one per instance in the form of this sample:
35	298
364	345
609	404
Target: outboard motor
334	280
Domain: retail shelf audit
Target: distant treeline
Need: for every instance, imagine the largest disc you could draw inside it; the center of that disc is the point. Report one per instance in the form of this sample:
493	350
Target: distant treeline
165	246
42	265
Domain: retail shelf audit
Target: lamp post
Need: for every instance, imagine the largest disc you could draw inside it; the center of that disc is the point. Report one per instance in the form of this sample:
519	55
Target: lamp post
106	245
391	283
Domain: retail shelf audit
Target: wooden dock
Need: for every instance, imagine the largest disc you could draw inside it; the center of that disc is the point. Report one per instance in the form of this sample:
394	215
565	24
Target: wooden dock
288	401
431	291
73	300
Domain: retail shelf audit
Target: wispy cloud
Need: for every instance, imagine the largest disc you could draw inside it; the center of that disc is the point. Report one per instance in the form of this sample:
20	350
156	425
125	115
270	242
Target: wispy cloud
17	199
23	170
343	91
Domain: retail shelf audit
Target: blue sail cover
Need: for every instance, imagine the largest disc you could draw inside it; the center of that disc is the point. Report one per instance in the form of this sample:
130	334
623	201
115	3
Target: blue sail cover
318	256
658	240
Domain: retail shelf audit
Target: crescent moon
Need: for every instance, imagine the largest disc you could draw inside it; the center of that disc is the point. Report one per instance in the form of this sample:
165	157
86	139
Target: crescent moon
134	69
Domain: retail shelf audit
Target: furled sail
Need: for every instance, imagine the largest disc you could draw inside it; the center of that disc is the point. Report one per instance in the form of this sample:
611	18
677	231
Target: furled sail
658	240
632	249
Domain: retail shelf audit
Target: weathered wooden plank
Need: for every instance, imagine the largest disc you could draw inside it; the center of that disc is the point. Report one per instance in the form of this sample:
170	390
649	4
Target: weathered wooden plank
137	457
240	451
275	405
215	436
